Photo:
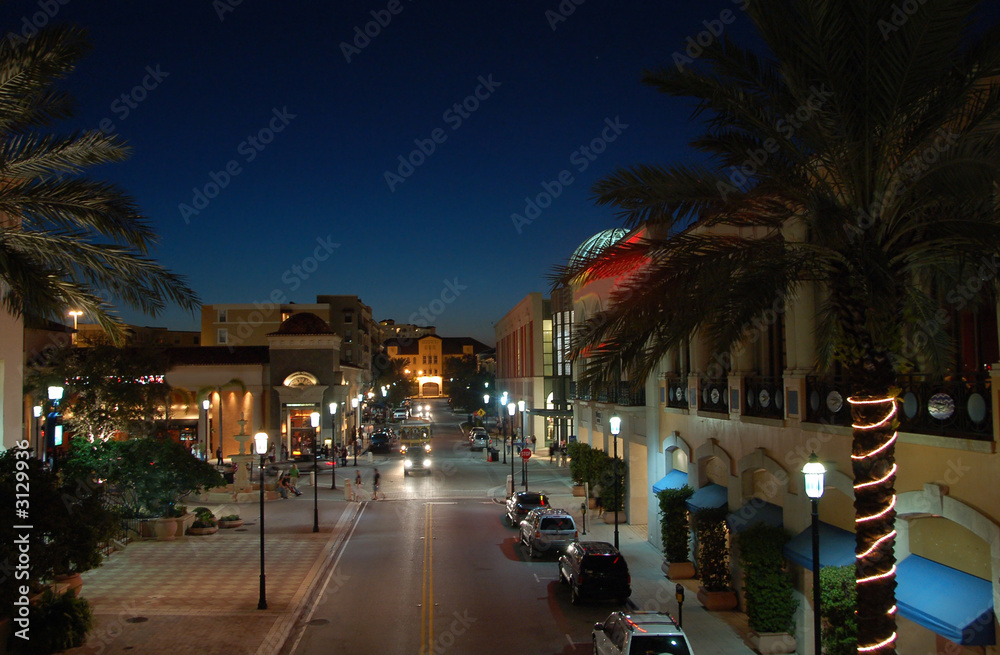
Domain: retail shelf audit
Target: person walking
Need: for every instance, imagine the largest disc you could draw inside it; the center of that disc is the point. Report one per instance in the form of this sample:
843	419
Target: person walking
376	485
358	486
218	456
293	473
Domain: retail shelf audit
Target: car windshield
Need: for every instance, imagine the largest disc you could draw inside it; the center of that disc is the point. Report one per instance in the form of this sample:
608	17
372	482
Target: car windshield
531	499
602	563
558	523
658	645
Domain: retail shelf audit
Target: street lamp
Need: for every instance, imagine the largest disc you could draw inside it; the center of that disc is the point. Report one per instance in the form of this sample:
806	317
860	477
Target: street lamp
357	421
333	471
616	427
510	412
260	446
814	472
36	411
205	404
75	313
314	421
52	427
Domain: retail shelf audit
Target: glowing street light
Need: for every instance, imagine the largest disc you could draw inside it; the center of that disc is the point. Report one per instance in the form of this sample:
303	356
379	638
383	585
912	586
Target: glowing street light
616	427
814	473
260	447
314	421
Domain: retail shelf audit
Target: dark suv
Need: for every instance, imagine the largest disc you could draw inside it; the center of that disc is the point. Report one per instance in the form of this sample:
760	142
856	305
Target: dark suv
595	570
380	442
522	502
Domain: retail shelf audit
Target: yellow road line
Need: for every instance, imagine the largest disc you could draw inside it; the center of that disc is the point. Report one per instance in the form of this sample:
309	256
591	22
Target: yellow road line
427	588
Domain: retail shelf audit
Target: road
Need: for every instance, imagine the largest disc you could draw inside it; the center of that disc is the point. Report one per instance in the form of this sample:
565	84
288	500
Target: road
435	569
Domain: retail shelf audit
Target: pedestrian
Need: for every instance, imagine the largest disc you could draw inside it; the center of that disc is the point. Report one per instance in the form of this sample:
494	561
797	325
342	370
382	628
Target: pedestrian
284	452
293	473
218	456
283	485
376	484
358	485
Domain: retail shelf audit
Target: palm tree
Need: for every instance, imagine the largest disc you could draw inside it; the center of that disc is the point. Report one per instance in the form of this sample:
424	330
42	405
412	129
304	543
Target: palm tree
67	241
859	155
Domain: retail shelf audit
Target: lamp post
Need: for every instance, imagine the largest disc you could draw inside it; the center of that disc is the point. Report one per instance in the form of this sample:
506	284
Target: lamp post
75	313
260	445
314	421
333	432
52	426
502	402
616	427
524	444
357	422
510	412
205	404
36	426
814	471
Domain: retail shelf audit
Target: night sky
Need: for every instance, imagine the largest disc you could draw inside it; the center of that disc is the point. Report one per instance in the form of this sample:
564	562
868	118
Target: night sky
271	165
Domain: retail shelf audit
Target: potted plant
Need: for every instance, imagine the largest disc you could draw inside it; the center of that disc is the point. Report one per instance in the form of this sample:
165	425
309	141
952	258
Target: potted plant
715	592
769	593
575	452
839	603
230	521
675	533
204	522
58	622
608	482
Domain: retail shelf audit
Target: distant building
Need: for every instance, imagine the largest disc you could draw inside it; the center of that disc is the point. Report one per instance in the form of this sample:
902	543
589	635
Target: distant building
425	358
91	333
393	330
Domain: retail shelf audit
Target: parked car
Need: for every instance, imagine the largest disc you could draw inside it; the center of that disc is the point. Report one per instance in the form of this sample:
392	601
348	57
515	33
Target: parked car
479	442
399	414
547	530
380	442
416	458
595	570
632	633
522	502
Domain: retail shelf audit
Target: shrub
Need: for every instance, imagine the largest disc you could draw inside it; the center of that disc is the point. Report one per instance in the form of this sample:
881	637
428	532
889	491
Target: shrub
230	517
838	603
204	518
607	482
674	528
713	552
770	597
575	451
58	622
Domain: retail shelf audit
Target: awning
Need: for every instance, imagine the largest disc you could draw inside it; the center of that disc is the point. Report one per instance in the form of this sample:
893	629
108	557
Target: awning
708	497
753	512
836	547
946	601
673	480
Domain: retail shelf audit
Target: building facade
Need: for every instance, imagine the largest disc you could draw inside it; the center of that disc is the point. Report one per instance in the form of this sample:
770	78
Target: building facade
426	357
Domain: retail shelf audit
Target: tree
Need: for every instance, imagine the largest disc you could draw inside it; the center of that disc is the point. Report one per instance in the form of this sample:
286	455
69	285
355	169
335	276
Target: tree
66	240
858	155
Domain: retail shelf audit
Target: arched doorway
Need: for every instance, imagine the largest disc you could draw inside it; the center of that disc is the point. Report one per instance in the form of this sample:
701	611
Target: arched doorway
430	389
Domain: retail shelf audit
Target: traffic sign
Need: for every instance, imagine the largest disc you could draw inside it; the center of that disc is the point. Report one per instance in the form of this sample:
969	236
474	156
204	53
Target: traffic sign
480	413
525	454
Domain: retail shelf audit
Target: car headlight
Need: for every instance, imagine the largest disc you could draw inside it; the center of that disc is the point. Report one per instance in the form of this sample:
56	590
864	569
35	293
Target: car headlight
427	463
408	463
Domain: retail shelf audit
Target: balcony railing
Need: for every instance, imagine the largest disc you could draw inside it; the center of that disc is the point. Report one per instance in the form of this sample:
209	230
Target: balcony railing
677	393
960	408
763	397
714	396
618	393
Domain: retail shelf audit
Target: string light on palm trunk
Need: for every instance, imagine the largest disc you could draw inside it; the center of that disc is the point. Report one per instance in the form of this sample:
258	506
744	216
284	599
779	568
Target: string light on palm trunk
888	503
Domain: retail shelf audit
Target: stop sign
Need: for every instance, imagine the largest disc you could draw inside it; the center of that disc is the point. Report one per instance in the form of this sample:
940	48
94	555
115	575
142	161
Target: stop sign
525	454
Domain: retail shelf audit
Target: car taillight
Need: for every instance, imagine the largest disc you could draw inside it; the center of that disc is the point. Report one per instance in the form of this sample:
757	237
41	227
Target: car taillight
576	534
538	535
628	578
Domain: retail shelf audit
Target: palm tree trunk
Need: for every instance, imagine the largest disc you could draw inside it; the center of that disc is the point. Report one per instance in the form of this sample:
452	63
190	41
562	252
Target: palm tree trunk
873	410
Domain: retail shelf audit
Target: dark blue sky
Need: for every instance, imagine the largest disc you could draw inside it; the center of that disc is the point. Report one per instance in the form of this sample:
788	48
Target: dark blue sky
311	211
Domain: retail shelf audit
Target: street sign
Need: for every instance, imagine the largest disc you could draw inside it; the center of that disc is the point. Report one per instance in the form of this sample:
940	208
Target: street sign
480	413
525	454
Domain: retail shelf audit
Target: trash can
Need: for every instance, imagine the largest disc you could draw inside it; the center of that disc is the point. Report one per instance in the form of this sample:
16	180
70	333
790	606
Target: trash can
494	455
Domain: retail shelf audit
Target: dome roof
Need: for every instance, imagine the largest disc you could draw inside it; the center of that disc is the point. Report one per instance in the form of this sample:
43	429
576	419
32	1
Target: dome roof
596	244
304	323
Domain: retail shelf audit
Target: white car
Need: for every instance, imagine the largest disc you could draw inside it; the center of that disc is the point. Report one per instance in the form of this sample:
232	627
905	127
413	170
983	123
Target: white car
632	633
479	442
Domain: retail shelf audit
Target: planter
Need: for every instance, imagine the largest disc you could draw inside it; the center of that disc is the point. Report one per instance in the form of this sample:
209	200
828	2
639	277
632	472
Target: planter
203	531
771	642
184	522
717	601
679	570
579	490
609	517
71	582
225	525
165	528
147	528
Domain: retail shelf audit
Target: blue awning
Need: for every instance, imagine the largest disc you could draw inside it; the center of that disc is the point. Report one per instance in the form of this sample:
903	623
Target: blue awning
673	480
836	547
946	601
755	511
708	497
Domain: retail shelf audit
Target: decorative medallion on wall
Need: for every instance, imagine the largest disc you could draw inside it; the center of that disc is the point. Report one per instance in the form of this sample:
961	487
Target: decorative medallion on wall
941	406
301	379
834	401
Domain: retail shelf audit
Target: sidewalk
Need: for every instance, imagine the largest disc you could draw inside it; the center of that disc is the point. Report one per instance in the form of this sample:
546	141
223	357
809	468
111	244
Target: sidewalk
200	594
710	633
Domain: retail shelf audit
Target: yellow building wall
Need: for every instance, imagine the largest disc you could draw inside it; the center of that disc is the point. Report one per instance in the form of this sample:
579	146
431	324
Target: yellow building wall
950	544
